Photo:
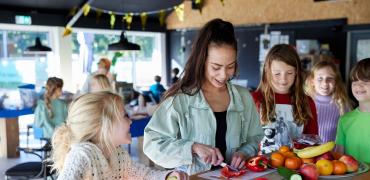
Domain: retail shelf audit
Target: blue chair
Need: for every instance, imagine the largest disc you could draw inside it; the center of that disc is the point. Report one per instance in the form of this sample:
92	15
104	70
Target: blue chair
37	133
137	129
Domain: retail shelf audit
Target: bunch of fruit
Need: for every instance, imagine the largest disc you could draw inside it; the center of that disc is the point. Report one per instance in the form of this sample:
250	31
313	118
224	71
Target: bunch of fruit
315	161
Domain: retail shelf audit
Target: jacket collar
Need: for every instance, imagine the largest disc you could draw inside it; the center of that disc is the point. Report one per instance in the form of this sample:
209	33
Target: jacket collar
199	101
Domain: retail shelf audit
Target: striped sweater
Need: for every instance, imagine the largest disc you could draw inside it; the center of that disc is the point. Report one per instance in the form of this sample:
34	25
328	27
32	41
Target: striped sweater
327	117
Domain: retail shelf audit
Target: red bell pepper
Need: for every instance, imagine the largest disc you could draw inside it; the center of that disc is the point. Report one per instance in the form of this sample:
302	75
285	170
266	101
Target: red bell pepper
257	164
228	173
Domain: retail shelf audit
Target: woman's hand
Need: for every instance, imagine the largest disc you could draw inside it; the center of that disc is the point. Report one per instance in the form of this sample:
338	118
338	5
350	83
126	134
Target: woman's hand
238	160
208	154
179	176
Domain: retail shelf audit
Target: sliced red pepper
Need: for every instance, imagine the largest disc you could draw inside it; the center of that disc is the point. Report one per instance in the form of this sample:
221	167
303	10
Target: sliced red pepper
257	164
228	173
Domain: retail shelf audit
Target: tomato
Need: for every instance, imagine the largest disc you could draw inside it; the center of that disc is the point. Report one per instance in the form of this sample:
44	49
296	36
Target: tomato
284	149
293	163
289	154
277	159
228	173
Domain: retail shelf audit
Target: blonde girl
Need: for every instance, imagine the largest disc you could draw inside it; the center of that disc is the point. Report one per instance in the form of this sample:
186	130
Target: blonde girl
88	145
325	86
100	82
285	111
51	112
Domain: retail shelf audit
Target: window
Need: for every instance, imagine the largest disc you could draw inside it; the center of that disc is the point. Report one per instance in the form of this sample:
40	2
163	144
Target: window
17	67
138	67
18	41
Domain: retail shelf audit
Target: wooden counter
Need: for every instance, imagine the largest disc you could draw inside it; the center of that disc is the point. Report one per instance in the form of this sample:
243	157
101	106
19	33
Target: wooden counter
9	131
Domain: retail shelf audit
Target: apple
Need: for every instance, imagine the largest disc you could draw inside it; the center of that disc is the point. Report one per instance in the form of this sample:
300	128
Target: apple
309	172
351	163
327	156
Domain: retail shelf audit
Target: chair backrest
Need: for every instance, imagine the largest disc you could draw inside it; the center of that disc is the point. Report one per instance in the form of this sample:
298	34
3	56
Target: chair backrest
37	132
137	126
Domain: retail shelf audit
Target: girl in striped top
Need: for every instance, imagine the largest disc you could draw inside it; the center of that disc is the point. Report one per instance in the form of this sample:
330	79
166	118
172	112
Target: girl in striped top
325	86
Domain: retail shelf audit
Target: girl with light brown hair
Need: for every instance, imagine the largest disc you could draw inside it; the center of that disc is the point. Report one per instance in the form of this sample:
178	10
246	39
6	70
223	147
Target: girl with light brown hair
51	112
285	111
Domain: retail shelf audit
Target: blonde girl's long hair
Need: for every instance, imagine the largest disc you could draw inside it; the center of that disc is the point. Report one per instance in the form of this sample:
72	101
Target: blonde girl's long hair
52	85
300	102
339	96
103	82
91	118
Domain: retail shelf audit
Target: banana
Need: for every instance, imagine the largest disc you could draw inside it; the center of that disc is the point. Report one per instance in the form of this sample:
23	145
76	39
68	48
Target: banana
311	152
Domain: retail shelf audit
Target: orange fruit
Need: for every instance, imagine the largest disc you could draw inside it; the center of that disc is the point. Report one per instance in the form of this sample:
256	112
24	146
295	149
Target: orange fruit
325	167
339	167
308	160
284	149
293	163
277	159
289	154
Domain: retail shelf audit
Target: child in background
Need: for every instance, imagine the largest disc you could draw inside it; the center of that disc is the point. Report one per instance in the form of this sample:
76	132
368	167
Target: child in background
100	82
353	129
174	73
157	89
325	86
284	107
51	112
88	145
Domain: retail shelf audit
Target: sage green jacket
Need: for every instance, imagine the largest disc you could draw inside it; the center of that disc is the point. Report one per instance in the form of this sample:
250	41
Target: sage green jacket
182	120
42	119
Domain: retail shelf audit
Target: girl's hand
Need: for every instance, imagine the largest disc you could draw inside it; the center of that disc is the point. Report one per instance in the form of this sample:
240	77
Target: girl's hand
176	175
238	160
208	154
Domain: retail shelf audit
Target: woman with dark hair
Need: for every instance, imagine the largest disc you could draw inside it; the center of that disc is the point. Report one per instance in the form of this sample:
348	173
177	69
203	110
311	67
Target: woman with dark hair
203	119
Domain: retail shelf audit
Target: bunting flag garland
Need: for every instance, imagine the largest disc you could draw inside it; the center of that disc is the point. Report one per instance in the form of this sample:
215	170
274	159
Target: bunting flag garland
73	11
144	17
199	5
86	9
161	17
98	14
112	20
180	12
128	19
67	31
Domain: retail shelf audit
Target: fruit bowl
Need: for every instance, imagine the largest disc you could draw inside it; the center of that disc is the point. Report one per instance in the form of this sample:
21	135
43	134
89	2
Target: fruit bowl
363	167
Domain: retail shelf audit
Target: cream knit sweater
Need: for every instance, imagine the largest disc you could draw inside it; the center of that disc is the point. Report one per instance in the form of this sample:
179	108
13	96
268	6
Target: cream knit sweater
86	161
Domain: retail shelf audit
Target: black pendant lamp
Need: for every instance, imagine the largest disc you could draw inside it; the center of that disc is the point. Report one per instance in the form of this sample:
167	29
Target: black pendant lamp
123	45
38	47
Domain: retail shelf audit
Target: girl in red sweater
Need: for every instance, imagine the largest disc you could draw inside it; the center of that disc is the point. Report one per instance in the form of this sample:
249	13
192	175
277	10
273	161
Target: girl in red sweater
285	111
